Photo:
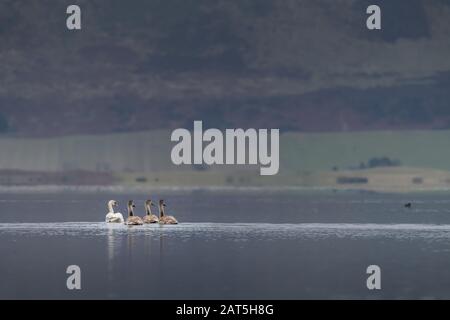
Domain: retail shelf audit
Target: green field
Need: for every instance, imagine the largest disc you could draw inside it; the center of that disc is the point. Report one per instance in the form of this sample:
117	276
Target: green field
306	159
322	151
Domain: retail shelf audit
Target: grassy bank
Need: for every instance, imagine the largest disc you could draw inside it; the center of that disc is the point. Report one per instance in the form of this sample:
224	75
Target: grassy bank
331	160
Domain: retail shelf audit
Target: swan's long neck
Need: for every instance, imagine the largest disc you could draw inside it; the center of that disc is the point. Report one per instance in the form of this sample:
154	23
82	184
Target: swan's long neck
110	208
130	211
161	210
149	209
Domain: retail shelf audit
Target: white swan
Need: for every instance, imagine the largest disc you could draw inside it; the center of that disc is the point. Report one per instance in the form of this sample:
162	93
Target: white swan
111	216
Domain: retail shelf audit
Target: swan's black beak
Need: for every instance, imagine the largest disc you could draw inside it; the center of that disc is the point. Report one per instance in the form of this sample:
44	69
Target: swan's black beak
152	204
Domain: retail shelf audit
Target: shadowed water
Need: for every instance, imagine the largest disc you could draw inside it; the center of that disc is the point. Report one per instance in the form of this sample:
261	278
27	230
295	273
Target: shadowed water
228	245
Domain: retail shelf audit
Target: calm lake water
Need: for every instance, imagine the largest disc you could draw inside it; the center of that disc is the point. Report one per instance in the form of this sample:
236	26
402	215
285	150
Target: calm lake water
229	245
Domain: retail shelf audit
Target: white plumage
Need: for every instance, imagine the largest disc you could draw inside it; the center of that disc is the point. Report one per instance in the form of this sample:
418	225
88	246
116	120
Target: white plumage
111	216
114	217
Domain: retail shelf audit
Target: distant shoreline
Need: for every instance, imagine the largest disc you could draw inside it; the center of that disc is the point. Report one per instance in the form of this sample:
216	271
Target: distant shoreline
125	189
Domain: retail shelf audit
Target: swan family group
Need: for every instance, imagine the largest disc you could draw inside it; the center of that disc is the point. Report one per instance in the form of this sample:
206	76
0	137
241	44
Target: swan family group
132	219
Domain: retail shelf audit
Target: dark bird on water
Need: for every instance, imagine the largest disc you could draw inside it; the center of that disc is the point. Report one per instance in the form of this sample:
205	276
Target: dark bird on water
408	205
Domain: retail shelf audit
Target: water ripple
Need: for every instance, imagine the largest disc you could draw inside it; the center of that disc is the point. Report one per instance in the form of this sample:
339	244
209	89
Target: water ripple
234	231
